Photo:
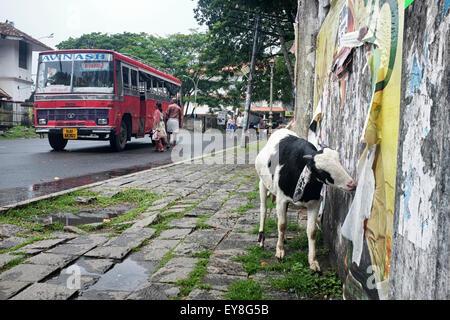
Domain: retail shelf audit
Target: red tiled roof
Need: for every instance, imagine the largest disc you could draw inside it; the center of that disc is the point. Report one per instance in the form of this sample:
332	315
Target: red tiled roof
267	109
7	30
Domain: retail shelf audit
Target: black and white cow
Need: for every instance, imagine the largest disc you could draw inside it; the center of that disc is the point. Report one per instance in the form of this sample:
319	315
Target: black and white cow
293	170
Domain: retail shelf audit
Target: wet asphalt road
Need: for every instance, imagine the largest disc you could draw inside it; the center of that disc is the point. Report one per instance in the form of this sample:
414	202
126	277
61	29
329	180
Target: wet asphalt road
29	168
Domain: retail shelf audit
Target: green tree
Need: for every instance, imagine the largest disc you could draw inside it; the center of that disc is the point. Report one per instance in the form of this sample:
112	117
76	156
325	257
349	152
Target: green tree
231	24
178	54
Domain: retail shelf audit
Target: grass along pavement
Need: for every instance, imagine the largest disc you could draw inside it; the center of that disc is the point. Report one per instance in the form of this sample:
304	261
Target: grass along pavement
18	132
266	274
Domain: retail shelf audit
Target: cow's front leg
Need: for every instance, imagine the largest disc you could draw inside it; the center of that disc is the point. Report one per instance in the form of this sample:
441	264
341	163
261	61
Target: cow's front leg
281	213
313	211
262	212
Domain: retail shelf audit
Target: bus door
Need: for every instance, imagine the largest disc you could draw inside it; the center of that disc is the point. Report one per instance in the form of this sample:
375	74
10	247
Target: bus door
142	109
148	106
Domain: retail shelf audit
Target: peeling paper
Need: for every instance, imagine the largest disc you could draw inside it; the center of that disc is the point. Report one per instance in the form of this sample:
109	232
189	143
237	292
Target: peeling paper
351	40
353	227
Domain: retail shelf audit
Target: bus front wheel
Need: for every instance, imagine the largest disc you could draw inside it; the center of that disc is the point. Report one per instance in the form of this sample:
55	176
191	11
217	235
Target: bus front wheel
57	142
118	141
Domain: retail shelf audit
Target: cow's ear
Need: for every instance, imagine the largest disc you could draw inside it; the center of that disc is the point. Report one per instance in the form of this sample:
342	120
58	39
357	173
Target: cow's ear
308	157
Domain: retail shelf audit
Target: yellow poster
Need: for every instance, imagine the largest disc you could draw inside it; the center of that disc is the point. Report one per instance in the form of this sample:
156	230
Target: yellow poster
378	26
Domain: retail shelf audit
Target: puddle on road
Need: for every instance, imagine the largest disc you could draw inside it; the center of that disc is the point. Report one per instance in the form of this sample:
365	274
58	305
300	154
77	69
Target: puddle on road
16	195
88	215
127	275
66	221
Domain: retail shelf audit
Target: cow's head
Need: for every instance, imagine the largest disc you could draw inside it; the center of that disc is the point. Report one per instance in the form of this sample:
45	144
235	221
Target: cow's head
329	170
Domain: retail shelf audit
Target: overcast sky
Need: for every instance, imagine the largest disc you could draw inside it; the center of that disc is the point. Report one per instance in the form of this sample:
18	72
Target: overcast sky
73	18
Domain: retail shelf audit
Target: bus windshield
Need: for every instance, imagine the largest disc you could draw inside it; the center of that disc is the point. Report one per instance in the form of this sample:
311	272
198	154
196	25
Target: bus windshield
76	73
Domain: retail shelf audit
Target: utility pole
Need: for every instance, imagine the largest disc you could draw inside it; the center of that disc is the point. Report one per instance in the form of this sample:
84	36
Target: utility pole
248	98
195	95
271	63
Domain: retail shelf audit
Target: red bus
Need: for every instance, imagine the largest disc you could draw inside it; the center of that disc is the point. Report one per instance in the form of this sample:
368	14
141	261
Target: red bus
98	94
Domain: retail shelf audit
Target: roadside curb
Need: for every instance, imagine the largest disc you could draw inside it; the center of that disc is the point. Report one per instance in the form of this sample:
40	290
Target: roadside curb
95	184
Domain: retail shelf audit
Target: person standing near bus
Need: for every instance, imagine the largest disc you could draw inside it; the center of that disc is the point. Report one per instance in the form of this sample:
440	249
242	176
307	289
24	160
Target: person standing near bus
174	119
240	121
230	125
160	128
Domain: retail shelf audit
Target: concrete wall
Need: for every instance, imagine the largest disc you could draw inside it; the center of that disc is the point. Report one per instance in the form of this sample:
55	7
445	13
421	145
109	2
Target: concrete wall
343	128
420	257
404	251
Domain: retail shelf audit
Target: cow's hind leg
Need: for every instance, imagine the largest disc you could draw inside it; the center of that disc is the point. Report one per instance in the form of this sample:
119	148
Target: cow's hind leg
281	213
262	212
313	210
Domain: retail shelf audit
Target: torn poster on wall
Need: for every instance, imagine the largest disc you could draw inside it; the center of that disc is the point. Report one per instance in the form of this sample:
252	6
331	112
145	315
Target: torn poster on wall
378	26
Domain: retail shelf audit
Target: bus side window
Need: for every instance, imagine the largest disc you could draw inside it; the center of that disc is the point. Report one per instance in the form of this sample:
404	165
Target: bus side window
142	85
119	89
156	87
134	80
126	77
165	91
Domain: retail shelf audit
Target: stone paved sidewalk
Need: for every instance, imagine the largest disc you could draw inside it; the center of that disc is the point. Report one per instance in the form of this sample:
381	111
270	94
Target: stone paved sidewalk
183	246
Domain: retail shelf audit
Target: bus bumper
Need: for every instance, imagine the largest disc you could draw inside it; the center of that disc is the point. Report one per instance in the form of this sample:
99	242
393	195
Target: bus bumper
83	132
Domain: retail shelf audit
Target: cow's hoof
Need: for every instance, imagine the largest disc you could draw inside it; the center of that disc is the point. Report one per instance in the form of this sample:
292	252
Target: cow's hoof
314	266
261	237
280	254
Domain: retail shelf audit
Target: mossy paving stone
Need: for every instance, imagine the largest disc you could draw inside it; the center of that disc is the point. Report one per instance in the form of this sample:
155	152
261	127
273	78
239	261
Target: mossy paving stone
93	239
64	279
238	240
187	223
103	295
72	249
51	259
6	257
156	250
11	242
9	230
221	282
199	241
95	265
174	234
10	288
175	270
28	273
131	238
197	212
111	252
44	244
199	294
225	267
155	291
45	291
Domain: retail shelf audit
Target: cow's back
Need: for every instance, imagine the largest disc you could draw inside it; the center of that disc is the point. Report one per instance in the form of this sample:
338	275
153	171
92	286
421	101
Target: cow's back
267	161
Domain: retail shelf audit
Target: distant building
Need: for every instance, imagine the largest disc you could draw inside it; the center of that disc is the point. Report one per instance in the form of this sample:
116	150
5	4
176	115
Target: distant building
16	48
262	109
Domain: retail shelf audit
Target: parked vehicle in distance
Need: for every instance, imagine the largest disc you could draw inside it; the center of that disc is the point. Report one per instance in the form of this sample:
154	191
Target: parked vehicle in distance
98	95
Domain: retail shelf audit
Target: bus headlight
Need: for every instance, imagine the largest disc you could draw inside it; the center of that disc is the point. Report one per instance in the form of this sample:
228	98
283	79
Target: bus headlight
102	121
42	121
